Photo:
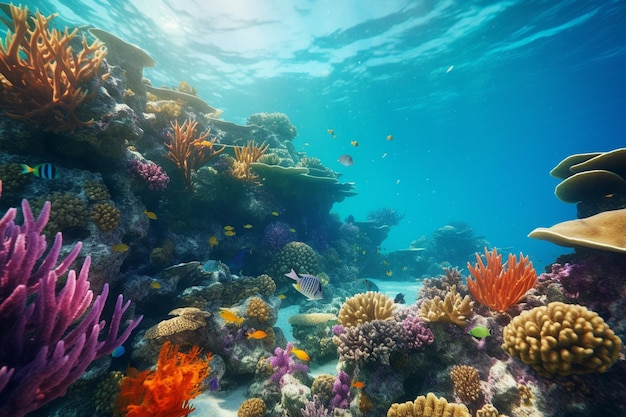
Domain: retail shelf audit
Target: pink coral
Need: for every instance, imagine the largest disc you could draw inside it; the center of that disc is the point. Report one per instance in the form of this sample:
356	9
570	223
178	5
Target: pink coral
156	178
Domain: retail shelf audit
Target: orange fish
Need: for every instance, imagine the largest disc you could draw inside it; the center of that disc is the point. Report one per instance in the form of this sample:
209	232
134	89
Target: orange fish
358	384
300	354
230	317
257	334
151	215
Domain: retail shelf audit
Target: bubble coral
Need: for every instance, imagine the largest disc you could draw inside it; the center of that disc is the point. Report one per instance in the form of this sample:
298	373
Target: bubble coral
252	407
105	216
154	176
67	211
562	339
258	310
429	406
365	307
96	191
466	383
297	255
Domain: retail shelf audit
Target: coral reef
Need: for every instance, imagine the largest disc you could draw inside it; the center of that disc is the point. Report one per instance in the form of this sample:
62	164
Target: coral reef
68	213
105	216
429	406
152	174
365	307
258	310
186	319
496	286
96	191
466	383
277	123
385	216
453	308
297	255
252	407
562	339
283	364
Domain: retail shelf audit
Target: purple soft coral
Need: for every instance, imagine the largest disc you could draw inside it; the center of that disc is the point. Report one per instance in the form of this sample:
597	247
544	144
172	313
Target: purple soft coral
341	391
284	364
277	234
156	178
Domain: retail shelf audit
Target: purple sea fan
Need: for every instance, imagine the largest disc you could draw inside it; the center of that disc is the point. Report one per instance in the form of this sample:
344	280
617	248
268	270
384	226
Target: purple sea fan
48	338
277	234
154	176
283	364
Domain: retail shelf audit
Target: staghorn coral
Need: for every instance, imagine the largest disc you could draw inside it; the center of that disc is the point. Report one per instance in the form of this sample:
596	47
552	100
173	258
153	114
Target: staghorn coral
429	406
167	390
187	318
498	286
297	255
244	156
252	407
105	216
187	151
452	308
562	339
466	383
365	307
258	310
96	191
43	81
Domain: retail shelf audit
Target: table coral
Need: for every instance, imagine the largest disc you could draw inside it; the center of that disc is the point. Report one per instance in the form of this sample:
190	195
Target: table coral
429	406
365	307
562	339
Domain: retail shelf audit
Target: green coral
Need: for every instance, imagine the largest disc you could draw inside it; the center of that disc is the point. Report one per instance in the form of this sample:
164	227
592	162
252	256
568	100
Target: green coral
105	216
277	123
297	255
12	177
67	212
163	255
106	393
96	191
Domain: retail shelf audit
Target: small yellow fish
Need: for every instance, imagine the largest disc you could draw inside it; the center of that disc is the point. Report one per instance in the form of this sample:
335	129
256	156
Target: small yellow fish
155	285
230	317
229	228
389	273
389	137
292	230
274	213
206	143
257	334
354	143
120	247
282	296
151	215
300	354
229	233
247	226
358	384
331	131
213	242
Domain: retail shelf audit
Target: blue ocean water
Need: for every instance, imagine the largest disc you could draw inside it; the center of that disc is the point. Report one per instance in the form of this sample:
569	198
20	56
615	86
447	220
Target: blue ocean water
482	98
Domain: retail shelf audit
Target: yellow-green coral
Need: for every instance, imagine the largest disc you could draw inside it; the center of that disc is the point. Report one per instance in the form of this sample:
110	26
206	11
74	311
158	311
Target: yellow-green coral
105	216
67	212
365	307
252	407
12	177
452	309
96	191
429	406
107	391
466	383
562	339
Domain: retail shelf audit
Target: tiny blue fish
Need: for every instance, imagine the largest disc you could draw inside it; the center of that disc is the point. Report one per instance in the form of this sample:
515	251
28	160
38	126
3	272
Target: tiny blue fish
46	171
214	384
118	351
307	285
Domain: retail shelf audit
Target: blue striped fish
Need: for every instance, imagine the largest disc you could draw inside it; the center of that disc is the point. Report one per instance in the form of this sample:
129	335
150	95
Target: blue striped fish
46	171
307	285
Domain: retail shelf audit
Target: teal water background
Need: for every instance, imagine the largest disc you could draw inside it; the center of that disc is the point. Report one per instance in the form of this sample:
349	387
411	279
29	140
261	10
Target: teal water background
482	98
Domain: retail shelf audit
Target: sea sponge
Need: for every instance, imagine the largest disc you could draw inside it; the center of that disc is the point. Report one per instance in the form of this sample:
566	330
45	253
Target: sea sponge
105	216
96	191
466	383
187	318
453	308
429	406
365	307
258	310
323	387
252	407
297	255
562	339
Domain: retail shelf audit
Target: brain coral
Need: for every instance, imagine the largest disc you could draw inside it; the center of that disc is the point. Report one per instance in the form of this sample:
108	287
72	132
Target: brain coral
252	407
105	216
297	255
429	406
365	307
259	310
562	339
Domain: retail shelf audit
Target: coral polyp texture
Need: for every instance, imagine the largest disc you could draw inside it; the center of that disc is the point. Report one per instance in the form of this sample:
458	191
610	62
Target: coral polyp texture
428	406
365	307
499	286
252	407
452	309
562	339
466	383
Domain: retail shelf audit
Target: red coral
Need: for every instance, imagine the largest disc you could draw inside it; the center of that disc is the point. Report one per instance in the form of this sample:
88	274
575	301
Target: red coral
165	392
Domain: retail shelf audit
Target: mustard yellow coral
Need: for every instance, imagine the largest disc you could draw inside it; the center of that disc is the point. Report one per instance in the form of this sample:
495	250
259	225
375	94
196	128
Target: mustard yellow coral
466	383
452	308
187	318
365	307
252	407
258	309
562	339
429	406
105	216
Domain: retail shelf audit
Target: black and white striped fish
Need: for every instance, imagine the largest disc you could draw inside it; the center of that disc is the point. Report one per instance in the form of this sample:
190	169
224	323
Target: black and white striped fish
307	285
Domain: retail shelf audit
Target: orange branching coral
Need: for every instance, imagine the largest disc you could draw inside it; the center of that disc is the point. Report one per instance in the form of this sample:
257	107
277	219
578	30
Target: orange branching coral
42	80
244	156
165	392
187	151
499	286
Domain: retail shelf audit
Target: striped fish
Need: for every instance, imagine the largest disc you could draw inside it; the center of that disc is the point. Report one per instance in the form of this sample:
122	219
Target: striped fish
46	171
307	285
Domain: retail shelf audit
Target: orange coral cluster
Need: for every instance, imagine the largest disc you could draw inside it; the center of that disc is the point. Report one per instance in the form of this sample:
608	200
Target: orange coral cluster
499	286
165	392
244	156
187	151
42	80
